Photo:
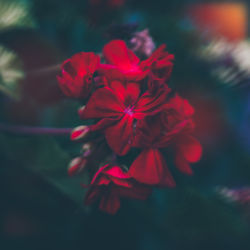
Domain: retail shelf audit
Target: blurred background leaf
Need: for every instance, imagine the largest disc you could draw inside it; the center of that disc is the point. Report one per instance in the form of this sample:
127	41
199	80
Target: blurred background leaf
11	73
15	13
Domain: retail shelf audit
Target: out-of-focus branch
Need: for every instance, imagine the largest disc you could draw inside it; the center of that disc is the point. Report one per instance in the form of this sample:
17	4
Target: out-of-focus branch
27	130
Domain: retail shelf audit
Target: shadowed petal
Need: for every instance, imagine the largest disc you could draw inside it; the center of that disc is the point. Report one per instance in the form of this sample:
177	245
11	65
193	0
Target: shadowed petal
182	164
117	53
150	168
190	148
110	203
103	103
150	104
120	135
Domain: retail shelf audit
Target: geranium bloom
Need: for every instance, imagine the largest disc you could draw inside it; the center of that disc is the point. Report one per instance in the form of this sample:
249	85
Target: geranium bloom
118	106
77	72
122	59
161	66
150	167
171	128
131	106
186	148
109	184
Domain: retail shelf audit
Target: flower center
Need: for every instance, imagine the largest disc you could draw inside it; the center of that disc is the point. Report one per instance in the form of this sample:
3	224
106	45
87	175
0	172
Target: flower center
129	110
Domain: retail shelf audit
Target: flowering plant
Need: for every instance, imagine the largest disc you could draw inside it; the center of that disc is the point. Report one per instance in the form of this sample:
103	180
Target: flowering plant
135	115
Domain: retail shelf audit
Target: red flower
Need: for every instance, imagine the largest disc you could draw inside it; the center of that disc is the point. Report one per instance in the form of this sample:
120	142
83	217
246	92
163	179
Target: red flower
123	60
129	114
187	149
178	110
77	73
118	106
109	184
150	167
160	65
171	128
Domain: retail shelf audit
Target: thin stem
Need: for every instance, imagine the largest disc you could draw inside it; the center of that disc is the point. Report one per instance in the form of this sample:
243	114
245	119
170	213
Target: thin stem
45	70
26	130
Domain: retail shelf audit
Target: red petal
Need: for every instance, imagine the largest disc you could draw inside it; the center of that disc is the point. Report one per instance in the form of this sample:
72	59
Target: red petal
165	140
155	55
98	173
150	168
78	63
110	203
92	195
165	61
111	173
132	91
120	135
85	62
182	105
116	53
190	148
119	90
120	57
149	104
132	57
115	171
142	137
158	52
176	102
103	180
68	86
135	75
93	62
103	103
188	109
149	131
67	67
104	123
125	183
118	177
111	72
182	164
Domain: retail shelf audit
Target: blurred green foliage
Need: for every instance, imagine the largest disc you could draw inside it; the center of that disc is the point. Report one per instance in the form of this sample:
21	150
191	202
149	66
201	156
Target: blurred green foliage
35	37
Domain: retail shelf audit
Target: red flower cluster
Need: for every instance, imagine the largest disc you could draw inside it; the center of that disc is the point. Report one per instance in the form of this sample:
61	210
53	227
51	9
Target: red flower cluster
132	107
109	184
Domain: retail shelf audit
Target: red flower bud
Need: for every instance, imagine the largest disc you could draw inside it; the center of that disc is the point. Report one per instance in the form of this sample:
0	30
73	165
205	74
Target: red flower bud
77	72
79	132
76	165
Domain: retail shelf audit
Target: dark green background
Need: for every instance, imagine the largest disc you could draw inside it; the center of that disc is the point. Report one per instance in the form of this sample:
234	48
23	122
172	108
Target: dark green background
42	208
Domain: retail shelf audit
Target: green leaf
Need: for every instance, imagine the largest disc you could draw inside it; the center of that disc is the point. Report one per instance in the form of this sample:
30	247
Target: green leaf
10	73
14	14
45	157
